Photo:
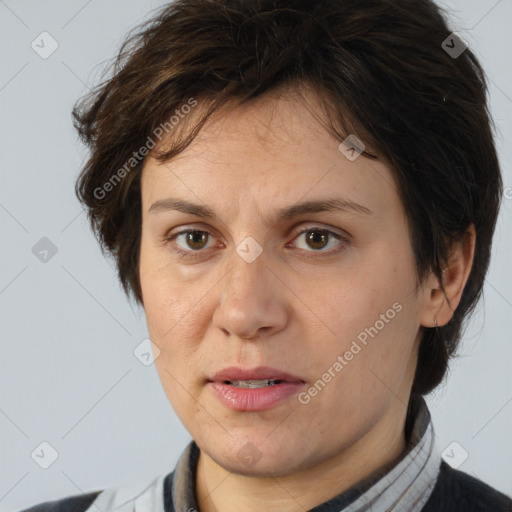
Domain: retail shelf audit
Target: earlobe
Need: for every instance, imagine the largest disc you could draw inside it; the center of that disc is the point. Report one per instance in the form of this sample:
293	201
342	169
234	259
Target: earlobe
441	305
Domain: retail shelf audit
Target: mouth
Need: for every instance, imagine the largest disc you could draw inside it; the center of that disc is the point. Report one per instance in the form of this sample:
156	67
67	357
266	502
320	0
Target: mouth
256	377
253	384
254	390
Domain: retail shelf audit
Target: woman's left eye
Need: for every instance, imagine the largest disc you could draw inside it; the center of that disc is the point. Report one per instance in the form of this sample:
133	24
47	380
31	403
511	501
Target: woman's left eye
316	238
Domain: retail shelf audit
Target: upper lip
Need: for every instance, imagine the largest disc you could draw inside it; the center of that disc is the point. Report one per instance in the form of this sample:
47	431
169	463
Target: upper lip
261	373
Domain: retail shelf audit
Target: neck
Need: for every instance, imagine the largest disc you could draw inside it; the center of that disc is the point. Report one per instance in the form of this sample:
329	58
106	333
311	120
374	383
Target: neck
219	490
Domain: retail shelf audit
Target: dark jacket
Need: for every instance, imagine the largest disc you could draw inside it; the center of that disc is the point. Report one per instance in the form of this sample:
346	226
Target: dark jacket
455	491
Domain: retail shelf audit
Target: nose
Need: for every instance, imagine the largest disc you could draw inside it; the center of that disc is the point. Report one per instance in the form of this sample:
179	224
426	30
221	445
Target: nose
252	303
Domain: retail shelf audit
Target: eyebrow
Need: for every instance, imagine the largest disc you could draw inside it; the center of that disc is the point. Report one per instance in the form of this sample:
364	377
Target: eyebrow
288	212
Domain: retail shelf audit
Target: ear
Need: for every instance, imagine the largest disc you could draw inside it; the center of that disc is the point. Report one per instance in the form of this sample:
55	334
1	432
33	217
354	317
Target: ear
455	276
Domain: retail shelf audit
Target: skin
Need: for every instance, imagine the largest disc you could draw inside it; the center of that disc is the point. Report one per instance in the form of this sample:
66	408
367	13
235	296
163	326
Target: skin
287	309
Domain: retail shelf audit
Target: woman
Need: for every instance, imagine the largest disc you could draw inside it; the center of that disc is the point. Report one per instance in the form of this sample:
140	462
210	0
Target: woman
302	196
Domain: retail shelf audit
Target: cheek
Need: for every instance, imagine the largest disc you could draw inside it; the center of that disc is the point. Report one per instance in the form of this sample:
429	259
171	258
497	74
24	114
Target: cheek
339	307
174	326
172	314
369	314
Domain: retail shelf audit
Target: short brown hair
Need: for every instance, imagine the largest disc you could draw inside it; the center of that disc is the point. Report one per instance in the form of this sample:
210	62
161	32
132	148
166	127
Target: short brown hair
379	61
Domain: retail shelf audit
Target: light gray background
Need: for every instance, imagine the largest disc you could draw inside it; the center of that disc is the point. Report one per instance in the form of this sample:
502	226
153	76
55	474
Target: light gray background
69	376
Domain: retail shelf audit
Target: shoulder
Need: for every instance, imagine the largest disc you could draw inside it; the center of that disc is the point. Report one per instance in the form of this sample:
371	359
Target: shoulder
457	491
77	503
147	492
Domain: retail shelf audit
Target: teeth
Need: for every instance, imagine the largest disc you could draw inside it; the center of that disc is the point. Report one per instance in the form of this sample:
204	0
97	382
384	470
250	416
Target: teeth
252	384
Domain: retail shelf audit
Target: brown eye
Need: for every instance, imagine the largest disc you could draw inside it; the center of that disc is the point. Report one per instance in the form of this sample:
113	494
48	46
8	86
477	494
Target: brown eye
317	239
190	243
196	239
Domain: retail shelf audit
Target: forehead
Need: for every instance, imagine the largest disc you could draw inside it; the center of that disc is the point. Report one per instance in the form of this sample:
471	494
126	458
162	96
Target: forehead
271	151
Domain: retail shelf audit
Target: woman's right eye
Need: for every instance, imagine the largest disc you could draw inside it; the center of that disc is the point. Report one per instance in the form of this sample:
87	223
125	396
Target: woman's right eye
192	242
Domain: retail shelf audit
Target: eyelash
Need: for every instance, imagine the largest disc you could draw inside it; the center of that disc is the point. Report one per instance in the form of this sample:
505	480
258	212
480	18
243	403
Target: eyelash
197	254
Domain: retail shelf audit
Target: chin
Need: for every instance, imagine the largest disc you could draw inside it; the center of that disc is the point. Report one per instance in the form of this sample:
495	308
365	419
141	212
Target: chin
263	458
266	467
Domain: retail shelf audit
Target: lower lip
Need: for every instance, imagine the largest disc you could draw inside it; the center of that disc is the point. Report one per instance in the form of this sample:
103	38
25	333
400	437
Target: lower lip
256	399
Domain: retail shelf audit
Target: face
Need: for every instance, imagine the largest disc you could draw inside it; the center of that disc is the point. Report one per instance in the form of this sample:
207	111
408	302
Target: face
321	300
